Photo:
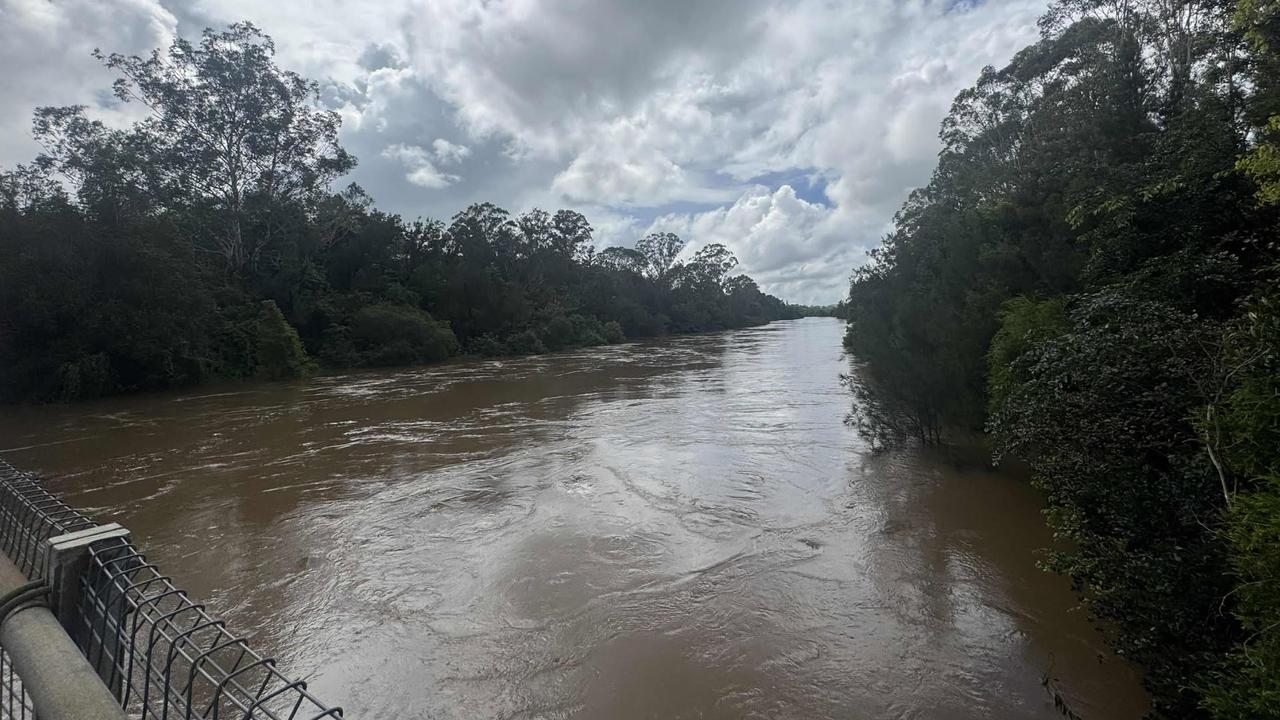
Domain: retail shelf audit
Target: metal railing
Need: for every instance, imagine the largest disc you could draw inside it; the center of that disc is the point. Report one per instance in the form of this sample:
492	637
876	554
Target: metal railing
29	516
160	653
14	701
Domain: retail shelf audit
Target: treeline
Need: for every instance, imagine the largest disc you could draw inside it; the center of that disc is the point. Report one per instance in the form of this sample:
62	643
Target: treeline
818	310
205	242
1091	274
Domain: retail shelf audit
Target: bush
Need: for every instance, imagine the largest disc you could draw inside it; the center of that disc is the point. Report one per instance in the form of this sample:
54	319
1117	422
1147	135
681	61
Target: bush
256	341
1102	413
336	347
613	333
388	334
636	321
1247	686
559	333
488	346
526	342
569	331
86	377
278	351
1023	323
587	331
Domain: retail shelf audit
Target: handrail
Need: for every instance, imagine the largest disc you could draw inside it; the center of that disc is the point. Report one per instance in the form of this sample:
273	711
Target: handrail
159	653
55	678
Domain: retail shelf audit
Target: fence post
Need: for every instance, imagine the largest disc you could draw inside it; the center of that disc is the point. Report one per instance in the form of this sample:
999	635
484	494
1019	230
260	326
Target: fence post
68	558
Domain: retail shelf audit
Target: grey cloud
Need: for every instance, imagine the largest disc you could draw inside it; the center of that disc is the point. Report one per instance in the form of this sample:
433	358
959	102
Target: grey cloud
45	50
536	70
380	55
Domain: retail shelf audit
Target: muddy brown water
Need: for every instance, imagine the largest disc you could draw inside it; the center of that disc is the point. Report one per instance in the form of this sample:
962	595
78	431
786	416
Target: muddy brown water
675	529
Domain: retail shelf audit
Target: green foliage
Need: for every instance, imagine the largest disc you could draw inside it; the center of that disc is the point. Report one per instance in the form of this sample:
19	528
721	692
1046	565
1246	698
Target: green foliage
230	137
613	334
526	342
660	251
1259	20
488	346
1248	684
253	340
1102	413
1123	166
835	311
1024	322
278	351
1247	687
388	334
1262	164
86	310
89	376
563	332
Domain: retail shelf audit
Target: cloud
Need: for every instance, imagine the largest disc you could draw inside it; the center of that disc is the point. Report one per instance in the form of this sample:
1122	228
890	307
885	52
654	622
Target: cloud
448	153
417	161
703	115
542	74
45	50
785	242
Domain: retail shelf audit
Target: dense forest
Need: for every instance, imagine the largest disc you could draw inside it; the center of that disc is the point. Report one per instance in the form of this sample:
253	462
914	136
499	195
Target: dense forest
207	241
1091	275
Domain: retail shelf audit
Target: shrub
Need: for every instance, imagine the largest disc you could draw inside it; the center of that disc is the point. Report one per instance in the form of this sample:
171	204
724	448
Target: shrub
86	377
388	334
256	341
526	342
559	333
613	333
1023	323
488	346
278	351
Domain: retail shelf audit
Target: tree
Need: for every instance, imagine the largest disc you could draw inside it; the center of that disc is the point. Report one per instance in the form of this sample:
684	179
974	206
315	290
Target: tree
1076	272
1260	22
573	236
1247	684
708	269
660	251
229	136
622	259
205	242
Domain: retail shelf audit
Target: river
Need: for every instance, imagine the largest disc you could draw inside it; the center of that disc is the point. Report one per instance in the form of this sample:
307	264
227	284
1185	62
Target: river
682	528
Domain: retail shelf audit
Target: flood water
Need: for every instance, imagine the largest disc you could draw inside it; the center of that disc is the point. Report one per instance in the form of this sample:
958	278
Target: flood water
676	529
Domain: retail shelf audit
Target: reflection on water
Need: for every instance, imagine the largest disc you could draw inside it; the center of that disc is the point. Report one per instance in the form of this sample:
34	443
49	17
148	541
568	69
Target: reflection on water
678	529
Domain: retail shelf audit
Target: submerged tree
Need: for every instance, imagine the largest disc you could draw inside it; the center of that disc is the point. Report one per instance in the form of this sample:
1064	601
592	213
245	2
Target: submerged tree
1075	277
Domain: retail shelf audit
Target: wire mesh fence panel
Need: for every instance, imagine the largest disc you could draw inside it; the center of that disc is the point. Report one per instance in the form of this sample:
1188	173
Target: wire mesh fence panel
167	657
15	704
160	652
29	516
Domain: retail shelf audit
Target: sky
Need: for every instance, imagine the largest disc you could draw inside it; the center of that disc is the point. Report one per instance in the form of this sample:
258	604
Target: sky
791	131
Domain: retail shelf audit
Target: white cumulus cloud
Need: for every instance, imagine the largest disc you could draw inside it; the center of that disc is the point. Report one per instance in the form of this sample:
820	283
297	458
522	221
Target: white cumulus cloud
417	162
448	153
